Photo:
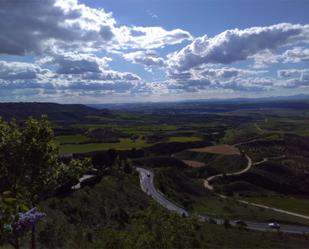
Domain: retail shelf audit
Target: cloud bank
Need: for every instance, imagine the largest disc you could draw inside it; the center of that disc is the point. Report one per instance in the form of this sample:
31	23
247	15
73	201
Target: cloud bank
69	49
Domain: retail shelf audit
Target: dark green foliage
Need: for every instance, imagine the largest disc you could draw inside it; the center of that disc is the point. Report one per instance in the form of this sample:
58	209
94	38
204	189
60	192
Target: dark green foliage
30	170
173	147
105	135
104	158
159	162
227	223
241	188
116	214
179	187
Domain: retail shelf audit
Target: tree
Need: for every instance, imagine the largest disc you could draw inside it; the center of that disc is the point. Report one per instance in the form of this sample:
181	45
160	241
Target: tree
226	224
128	168
29	162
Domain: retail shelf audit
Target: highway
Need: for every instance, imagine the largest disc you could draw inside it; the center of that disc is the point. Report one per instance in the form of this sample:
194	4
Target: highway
147	185
146	179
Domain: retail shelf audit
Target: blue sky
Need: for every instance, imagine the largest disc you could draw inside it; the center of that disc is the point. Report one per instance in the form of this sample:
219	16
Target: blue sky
111	51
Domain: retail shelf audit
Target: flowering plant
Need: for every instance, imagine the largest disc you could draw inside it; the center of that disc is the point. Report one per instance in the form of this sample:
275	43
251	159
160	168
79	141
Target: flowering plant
28	220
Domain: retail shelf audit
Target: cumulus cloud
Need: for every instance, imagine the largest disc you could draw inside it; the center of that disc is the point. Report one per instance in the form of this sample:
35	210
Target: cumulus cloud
249	84
236	45
295	55
203	77
293	78
153	37
17	75
73	46
148	58
224	72
293	73
54	26
14	71
37	26
110	76
265	58
76	63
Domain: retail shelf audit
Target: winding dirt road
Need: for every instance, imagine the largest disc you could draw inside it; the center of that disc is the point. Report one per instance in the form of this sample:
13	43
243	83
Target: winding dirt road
249	166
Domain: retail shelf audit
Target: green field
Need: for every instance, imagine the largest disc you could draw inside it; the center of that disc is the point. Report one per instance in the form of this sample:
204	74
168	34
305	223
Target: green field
232	209
293	125
72	139
124	144
300	206
184	139
130	129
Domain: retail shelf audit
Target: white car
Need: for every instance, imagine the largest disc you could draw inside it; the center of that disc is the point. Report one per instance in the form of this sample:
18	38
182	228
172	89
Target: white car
274	225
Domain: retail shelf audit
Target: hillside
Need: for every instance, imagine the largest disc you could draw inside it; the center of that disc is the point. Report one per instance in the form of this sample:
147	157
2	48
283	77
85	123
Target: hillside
63	113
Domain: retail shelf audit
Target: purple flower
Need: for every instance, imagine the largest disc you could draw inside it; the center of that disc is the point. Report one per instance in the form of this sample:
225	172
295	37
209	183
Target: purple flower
28	220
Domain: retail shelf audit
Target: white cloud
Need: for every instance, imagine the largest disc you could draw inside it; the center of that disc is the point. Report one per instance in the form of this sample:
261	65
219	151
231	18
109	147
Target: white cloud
57	26
236	45
76	63
292	73
154	37
265	58
295	55
65	38
41	26
152	15
23	76
148	58
16	71
205	77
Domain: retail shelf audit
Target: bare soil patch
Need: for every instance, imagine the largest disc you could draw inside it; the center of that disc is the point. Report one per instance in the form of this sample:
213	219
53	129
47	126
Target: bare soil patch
223	149
194	164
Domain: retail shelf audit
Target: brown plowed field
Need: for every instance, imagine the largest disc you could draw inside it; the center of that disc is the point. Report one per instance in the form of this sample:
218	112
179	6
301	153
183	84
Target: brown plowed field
223	149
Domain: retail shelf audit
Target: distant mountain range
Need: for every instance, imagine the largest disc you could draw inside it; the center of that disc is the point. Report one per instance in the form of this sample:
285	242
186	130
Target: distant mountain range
55	112
301	98
74	113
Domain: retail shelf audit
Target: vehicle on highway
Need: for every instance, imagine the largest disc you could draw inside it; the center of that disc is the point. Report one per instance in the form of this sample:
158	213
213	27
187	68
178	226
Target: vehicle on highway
274	225
240	223
148	175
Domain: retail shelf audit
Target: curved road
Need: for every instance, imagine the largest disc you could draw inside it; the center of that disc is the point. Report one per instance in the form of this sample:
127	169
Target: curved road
146	180
249	165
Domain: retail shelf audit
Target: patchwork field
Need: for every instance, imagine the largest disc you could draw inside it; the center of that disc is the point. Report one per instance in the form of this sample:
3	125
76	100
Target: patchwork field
123	144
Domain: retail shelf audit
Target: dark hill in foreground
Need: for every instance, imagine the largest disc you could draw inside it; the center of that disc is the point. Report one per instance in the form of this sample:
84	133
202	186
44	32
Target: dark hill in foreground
55	112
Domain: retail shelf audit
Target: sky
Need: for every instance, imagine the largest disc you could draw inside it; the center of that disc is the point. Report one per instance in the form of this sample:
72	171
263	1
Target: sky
119	51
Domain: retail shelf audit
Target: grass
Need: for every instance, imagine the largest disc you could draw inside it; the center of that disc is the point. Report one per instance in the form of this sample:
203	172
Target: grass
291	125
231	209
219	237
184	139
241	134
295	205
124	144
71	139
190	194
